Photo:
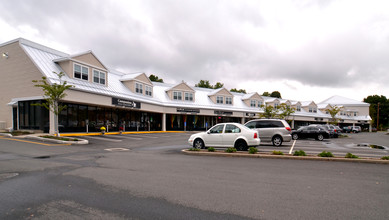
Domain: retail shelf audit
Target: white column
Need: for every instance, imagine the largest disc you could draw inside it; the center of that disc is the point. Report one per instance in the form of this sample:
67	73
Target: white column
293	124
163	121
51	122
242	121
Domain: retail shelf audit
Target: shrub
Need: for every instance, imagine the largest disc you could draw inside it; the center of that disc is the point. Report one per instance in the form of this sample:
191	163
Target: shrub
231	150
385	158
350	155
277	153
299	153
325	154
253	150
211	149
194	149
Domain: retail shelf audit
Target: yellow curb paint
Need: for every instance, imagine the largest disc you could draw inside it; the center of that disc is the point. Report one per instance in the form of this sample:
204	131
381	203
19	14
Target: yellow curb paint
116	133
33	142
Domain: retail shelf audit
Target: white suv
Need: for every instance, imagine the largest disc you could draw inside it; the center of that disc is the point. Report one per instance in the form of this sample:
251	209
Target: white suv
271	130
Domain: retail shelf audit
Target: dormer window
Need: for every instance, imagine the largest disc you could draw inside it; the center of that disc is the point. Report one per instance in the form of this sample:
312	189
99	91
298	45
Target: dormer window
177	95
99	77
228	100
219	99
298	108
149	91
81	72
188	96
275	105
139	88
252	103
260	104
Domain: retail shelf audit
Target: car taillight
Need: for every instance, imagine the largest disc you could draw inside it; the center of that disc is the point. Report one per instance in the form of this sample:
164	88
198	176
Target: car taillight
288	128
334	130
255	135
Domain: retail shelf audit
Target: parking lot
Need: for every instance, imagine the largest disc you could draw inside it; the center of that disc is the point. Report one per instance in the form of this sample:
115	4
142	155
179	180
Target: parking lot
145	176
358	144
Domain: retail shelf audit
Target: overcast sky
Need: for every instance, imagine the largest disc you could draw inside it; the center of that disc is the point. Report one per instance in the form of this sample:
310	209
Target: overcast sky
307	50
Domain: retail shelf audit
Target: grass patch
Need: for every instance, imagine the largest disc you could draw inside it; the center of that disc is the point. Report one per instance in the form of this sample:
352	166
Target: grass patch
194	149
350	155
343	136
385	158
18	133
277	152
253	150
231	150
376	146
299	153
59	138
211	149
325	154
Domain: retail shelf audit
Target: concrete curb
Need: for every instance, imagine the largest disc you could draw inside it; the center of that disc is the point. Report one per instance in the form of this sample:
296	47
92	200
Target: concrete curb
261	155
5	134
116	133
81	141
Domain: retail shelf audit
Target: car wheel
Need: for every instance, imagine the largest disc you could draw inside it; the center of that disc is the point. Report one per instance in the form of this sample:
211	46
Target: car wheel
241	145
277	141
198	144
320	137
295	136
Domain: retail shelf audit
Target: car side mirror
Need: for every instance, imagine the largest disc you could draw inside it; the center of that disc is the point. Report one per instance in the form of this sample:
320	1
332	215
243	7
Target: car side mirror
208	132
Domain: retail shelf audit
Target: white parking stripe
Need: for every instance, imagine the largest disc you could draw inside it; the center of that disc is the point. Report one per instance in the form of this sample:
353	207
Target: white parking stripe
104	139
291	149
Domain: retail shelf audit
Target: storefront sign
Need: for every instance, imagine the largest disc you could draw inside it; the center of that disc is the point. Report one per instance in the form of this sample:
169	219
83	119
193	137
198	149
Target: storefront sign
222	113
188	110
250	114
125	103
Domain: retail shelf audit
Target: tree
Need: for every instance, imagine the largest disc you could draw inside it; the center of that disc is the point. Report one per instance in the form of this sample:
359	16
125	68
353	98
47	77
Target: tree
238	90
155	78
204	84
266	94
218	85
379	106
275	94
53	93
268	112
334	110
285	110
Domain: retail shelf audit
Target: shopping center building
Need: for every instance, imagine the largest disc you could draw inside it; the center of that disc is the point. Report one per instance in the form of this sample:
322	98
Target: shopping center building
101	96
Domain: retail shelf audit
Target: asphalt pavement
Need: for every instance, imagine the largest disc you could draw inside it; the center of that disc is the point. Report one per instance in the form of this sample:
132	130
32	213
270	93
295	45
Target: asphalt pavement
146	176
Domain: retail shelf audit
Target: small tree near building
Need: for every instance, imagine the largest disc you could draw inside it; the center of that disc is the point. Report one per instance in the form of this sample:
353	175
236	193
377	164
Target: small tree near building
334	110
53	93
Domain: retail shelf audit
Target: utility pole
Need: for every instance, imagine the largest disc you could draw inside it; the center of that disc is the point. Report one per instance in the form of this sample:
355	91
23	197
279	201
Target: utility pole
378	114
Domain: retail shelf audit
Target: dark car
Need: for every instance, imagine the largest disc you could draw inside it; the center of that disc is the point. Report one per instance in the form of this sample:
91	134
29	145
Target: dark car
310	132
330	128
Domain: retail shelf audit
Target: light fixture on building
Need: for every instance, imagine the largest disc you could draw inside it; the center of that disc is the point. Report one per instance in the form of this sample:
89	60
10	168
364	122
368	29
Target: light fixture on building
5	55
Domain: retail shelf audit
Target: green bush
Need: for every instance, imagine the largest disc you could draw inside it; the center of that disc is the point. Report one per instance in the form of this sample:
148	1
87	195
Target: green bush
231	150
253	150
325	154
350	155
211	149
277	153
385	158
194	149
299	153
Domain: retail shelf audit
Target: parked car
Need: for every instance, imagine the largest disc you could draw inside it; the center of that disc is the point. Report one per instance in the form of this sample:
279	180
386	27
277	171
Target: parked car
346	129
356	129
330	128
317	132
271	130
338	130
226	135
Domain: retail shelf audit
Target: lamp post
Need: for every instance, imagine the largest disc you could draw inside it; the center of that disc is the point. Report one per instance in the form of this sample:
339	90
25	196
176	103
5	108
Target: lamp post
378	114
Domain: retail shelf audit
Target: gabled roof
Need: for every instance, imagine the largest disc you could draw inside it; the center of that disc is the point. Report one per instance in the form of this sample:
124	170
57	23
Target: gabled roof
323	106
250	95
308	103
73	57
186	86
339	100
217	91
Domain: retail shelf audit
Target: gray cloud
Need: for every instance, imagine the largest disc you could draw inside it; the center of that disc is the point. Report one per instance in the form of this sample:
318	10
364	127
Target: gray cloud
214	40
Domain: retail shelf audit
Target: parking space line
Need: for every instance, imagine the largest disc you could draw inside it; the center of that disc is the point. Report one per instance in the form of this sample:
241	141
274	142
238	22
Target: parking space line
33	142
104	139
291	149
